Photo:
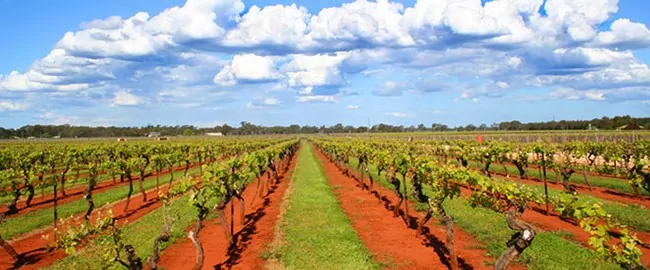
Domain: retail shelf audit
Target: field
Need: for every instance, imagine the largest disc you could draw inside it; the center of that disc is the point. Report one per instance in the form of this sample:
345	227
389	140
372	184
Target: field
518	200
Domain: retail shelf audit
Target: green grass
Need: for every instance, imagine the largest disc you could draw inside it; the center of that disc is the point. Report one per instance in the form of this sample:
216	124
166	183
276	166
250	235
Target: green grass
15	226
578	178
550	250
318	234
140	233
70	183
628	214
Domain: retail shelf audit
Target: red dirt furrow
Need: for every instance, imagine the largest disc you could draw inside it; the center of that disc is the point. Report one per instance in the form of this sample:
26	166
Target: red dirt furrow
598	192
34	248
252	238
385	235
76	193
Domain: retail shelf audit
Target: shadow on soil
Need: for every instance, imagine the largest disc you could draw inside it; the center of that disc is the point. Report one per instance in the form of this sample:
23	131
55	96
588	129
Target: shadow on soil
429	240
244	236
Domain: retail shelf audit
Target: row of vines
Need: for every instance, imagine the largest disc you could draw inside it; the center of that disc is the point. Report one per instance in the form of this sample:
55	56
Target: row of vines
430	172
226	167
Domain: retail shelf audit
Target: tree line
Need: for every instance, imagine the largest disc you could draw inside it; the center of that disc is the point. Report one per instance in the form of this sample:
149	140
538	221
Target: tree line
246	128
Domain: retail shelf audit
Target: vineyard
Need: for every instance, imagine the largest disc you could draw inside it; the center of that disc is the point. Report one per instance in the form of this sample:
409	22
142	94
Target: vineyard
328	202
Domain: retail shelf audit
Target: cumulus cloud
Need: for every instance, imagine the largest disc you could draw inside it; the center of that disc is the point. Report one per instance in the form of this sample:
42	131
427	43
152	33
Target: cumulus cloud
275	29
504	44
247	68
124	98
263	103
571	94
315	70
353	107
12	106
624	34
317	98
53	118
251	105
16	81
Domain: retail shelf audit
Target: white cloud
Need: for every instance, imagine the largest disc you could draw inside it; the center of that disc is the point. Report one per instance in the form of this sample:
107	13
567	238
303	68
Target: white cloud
247	68
272	101
142	35
358	22
263	103
571	94
315	70
124	98
391	89
53	118
624	34
400	114
22	82
501	46
11	106
277	26
437	111
353	107
317	98
251	105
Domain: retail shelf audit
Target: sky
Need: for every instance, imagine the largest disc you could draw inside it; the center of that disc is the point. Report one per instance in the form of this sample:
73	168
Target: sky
281	62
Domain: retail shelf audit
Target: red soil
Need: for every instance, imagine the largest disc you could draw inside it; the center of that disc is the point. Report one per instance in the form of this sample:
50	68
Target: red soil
598	192
75	193
33	247
390	239
252	239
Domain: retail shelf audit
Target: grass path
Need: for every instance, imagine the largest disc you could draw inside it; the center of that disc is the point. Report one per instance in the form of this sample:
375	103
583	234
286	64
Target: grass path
317	233
16	226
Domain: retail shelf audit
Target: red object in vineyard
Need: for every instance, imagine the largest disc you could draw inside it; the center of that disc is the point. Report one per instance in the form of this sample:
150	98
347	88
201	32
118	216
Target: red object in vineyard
479	138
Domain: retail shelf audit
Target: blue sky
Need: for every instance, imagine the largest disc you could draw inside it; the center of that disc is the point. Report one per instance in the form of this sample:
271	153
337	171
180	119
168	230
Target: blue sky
209	62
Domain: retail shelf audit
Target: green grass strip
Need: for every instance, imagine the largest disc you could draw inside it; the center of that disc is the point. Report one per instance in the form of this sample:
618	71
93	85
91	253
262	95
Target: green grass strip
70	183
578	178
628	214
550	250
140	233
15	226
318	234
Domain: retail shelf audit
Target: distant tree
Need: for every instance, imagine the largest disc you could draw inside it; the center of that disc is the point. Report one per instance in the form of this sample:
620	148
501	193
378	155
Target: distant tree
188	132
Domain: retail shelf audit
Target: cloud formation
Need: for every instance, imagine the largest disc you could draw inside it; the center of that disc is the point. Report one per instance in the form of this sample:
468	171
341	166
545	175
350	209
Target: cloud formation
206	52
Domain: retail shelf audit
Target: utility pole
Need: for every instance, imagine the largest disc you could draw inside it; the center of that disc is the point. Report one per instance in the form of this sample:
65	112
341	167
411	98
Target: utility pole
368	131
